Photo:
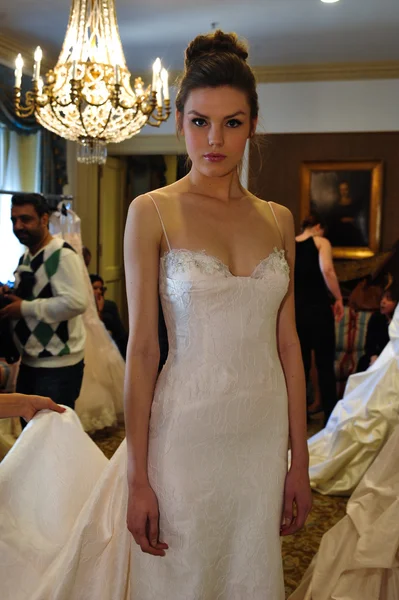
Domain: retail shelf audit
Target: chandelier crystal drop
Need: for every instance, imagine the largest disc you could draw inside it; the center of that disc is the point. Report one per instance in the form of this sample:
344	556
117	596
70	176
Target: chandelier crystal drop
88	96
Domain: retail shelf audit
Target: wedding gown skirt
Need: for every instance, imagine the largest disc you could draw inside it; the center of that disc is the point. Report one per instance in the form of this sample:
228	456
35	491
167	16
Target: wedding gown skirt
100	403
360	424
358	558
217	461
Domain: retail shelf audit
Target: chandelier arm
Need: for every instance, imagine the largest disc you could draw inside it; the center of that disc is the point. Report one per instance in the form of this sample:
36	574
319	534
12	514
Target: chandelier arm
127	106
160	118
20	110
42	103
153	123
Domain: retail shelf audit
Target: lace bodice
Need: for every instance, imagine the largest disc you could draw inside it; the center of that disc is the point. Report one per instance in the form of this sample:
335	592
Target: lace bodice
181	260
203	302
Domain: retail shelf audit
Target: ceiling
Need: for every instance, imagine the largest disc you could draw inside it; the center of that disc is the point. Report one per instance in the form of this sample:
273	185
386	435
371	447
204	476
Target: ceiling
280	32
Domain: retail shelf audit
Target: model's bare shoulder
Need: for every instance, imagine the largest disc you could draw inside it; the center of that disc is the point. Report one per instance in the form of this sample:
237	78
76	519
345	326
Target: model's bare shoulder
164	197
282	212
142	219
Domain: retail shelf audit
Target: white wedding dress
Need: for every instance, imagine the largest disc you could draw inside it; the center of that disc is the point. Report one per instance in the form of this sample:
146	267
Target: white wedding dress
100	402
360	424
217	461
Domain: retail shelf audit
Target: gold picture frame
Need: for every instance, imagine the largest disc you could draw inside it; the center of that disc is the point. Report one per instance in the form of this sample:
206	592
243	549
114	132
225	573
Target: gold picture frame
348	196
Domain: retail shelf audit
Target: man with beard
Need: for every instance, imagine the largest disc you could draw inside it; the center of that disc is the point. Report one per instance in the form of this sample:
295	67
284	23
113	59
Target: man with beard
45	306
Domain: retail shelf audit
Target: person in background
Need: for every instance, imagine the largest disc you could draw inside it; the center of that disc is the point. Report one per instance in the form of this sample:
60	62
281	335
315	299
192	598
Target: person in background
314	278
109	314
377	336
86	256
46	307
25	406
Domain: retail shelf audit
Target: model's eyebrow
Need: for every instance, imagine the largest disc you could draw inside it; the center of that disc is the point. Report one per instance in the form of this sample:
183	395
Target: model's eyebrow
194	112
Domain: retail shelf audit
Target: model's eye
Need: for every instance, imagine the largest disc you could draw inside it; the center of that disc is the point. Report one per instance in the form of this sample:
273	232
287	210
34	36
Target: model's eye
198	122
234	123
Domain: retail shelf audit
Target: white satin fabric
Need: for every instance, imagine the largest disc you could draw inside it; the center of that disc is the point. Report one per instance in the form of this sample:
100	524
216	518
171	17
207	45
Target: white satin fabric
217	461
358	559
100	403
360	424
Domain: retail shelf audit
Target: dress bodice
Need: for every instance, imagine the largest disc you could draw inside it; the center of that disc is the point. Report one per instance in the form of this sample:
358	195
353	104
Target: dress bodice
211	313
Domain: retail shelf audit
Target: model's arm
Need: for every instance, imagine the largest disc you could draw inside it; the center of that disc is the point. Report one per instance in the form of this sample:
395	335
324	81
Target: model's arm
329	275
297	488
141	252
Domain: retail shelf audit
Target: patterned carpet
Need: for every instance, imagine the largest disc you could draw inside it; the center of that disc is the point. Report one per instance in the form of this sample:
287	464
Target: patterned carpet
298	550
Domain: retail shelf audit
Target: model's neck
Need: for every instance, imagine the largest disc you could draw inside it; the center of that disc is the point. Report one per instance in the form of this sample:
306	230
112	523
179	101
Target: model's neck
225	188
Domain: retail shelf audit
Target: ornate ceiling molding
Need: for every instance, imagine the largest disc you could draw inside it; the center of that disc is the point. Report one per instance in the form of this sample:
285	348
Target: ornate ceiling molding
328	72
10	45
320	72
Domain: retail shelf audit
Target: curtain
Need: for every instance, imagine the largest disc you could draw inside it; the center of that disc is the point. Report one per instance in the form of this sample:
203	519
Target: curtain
19	171
53	153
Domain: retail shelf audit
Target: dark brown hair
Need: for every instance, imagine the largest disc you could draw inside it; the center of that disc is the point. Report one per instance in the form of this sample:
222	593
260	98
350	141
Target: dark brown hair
216	60
38	201
392	291
312	220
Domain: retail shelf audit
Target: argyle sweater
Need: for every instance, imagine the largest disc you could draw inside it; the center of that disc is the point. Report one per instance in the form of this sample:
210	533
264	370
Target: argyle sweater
50	332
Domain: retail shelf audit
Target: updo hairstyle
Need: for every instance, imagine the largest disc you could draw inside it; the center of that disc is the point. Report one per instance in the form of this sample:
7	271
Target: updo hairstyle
312	220
214	60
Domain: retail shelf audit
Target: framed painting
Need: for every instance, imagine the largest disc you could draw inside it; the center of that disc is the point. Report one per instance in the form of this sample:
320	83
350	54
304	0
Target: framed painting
348	197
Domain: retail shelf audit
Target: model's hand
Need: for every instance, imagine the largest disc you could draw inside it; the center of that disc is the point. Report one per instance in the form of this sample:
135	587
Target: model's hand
143	519
13	310
338	310
373	359
297	500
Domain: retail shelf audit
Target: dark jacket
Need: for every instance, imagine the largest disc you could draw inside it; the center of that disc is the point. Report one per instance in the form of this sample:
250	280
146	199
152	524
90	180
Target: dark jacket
112	321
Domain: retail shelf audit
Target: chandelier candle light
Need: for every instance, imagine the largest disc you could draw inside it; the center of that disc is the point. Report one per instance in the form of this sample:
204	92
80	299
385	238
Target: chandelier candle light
88	97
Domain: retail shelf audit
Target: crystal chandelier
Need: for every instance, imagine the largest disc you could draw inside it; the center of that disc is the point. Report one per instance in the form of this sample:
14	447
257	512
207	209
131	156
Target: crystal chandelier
88	97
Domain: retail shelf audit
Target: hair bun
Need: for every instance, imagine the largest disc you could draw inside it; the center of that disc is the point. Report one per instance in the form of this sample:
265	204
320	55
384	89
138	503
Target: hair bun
213	43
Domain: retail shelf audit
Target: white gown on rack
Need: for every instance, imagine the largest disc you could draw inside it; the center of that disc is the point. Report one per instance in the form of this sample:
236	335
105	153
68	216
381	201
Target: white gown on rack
360	424
217	461
100	403
358	558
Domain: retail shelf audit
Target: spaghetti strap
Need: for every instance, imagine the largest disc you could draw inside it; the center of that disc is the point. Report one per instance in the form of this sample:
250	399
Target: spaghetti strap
160	218
278	226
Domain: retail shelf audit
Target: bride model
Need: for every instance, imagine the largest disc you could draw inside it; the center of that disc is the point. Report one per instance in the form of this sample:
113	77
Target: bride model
207	492
360	424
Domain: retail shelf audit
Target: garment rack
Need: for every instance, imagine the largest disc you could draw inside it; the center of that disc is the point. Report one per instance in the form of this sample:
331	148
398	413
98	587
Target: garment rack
51	197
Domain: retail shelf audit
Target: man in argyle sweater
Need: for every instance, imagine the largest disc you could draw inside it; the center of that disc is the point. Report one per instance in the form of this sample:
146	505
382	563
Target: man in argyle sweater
45	310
